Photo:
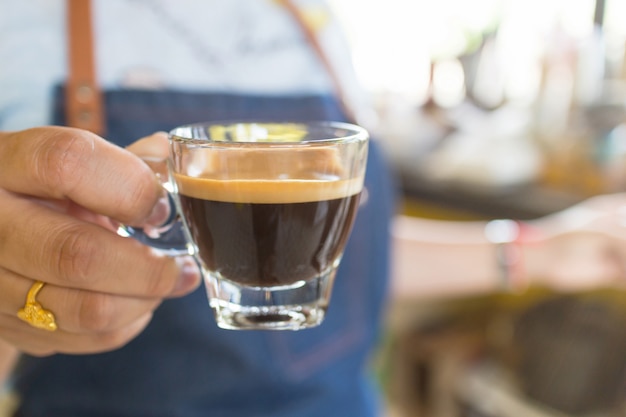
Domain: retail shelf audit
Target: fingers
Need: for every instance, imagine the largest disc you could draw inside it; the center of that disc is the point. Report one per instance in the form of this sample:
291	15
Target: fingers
76	311
102	288
88	322
63	193
38	342
65	163
45	245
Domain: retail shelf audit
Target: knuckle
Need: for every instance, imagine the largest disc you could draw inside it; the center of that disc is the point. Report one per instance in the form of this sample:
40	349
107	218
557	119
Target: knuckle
161	278
76	254
116	339
144	195
62	155
96	312
111	341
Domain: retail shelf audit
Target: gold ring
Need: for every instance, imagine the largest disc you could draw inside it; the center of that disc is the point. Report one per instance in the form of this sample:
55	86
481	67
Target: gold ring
34	314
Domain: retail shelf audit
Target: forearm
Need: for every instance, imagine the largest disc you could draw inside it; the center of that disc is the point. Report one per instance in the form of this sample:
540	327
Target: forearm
442	259
583	247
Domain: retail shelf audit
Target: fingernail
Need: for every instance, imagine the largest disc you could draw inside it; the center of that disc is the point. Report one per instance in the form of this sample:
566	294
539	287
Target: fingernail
160	212
189	277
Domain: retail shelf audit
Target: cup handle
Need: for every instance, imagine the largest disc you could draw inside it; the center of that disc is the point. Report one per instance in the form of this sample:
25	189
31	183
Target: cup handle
170	238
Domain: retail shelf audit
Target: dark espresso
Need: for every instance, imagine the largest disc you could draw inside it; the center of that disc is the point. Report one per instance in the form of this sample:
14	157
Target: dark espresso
268	233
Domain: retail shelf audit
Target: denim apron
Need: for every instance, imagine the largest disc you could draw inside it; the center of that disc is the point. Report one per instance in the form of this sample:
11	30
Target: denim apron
183	364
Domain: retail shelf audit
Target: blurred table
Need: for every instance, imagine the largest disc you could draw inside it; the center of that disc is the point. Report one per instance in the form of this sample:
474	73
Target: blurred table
522	202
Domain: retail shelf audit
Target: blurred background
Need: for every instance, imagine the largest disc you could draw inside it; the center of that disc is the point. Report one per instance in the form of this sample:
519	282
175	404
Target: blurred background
489	96
499	109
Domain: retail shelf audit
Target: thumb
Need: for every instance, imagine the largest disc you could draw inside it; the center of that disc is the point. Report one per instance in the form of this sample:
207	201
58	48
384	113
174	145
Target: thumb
154	151
151	148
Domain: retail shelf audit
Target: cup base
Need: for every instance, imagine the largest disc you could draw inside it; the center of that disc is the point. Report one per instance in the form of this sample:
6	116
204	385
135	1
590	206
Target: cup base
295	307
246	318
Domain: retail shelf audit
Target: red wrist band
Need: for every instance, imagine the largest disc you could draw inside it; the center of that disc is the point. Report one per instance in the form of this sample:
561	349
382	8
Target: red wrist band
508	236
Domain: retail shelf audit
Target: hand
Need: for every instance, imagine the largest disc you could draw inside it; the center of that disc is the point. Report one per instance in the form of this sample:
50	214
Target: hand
63	192
580	248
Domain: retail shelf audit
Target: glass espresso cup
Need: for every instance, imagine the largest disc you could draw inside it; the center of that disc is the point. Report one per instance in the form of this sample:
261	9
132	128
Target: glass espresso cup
267	209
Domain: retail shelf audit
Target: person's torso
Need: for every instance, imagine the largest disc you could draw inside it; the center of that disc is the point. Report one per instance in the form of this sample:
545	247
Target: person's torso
182	364
240	46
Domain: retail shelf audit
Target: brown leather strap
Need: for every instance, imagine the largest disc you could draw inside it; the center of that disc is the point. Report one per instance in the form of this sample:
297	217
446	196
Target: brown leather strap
313	41
84	107
83	97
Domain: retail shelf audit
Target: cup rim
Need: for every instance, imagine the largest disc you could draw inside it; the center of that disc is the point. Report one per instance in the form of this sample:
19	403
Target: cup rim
354	133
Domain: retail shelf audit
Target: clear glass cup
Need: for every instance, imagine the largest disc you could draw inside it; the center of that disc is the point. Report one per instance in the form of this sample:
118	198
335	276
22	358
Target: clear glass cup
267	209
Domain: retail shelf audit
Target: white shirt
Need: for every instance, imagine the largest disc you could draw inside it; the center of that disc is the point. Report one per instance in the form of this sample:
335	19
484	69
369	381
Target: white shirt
243	46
